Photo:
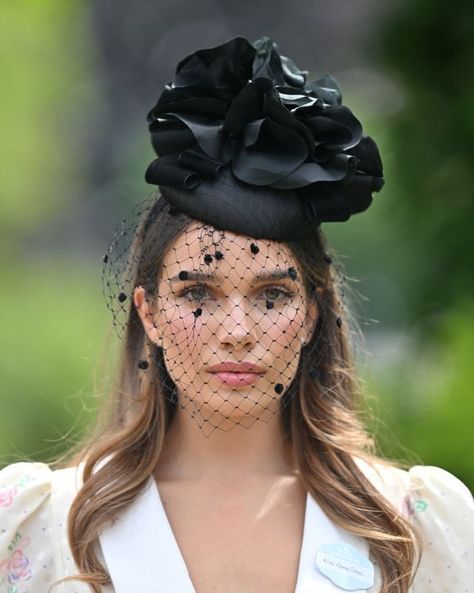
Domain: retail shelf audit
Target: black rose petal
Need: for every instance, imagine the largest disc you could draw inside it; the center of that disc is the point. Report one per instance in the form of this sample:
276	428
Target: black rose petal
207	134
345	119
180	101
368	157
167	171
270	64
256	163
197	161
328	131
292	74
340	167
327	89
247	106
274	109
337	127
298	102
170	136
360	192
219	71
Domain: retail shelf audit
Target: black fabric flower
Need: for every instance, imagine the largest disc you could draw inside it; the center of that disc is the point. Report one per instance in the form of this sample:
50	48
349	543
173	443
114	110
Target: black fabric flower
251	109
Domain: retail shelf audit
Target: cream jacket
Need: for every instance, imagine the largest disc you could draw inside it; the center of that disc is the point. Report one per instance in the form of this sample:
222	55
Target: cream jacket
141	553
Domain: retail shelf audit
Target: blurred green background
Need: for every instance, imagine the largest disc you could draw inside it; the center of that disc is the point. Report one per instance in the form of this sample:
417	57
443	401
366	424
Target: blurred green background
78	80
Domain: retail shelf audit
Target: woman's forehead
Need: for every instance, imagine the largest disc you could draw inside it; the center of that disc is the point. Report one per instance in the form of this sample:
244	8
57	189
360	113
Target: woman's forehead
234	251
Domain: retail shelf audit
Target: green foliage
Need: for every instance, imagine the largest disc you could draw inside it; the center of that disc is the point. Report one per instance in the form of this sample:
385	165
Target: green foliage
42	60
430	51
426	398
53	322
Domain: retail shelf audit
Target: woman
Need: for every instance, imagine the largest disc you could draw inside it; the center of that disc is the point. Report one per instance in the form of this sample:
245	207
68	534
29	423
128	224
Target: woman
232	457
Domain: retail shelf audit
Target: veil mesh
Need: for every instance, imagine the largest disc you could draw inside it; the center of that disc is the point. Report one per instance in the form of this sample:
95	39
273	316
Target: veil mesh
225	326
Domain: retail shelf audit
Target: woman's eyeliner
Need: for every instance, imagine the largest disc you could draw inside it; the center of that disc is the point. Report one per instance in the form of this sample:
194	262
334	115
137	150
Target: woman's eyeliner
184	293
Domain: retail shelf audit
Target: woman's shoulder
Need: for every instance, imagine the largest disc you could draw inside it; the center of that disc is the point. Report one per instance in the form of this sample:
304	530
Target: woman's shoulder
24	480
419	482
29	487
34	500
31	484
26	522
441	507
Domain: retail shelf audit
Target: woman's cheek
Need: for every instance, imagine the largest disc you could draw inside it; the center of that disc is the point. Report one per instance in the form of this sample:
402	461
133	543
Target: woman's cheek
283	334
185	335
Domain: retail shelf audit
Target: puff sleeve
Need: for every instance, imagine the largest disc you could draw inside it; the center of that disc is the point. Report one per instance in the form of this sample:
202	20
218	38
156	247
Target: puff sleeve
443	509
26	528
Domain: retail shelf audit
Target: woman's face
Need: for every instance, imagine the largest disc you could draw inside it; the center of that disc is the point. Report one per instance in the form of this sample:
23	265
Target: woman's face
219	303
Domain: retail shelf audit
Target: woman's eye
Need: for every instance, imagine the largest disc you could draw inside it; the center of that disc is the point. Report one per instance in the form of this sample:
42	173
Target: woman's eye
272	293
195	293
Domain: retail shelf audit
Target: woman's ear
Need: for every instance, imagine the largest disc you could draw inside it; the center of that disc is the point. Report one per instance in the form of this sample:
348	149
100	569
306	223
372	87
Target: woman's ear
143	308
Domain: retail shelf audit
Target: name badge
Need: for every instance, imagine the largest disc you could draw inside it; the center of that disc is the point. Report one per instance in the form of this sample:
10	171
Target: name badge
345	566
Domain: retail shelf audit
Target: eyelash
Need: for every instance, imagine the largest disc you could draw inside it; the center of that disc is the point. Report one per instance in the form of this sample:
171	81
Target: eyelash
284	292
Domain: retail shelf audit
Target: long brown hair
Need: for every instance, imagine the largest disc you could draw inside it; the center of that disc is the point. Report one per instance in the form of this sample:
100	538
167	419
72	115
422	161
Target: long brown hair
322	422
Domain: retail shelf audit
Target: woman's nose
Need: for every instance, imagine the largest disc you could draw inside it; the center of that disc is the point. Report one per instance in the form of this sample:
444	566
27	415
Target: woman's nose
237	327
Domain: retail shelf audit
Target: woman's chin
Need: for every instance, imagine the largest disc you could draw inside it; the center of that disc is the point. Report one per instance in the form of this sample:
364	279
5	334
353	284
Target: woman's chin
229	408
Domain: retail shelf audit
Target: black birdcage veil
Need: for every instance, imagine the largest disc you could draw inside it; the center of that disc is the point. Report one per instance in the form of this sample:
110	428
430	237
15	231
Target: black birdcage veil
234	318
219	298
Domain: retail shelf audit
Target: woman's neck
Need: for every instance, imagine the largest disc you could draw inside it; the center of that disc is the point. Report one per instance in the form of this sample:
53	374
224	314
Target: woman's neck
241	452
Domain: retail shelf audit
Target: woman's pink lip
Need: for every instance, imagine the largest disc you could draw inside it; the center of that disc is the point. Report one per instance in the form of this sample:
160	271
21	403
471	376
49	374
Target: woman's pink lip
236	367
238	379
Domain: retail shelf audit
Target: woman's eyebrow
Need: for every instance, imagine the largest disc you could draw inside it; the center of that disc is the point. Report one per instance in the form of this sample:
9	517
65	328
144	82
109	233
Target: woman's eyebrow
273	275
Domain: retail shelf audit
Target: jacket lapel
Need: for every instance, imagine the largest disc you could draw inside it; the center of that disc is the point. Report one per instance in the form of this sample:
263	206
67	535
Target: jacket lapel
142	554
141	551
319	529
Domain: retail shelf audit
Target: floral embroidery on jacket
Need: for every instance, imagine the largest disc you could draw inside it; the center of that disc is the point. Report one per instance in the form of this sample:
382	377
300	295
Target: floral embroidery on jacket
409	508
16	569
7	495
420	505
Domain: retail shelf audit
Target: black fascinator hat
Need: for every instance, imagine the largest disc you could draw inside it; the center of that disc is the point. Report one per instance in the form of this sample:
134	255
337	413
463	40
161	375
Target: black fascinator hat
247	143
